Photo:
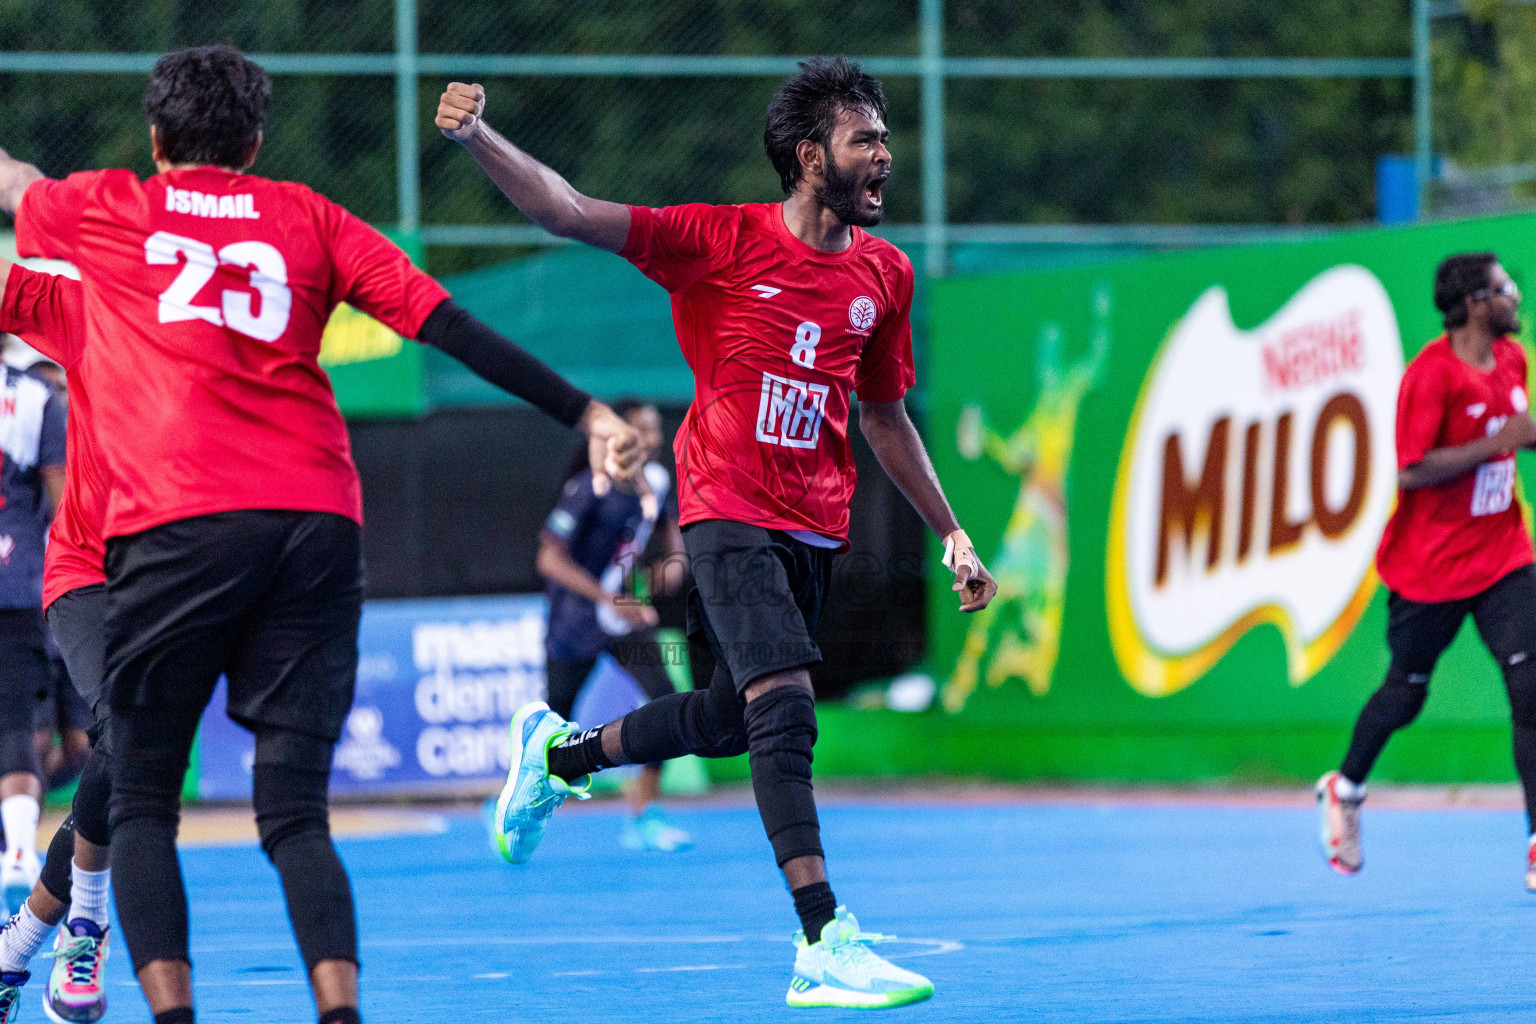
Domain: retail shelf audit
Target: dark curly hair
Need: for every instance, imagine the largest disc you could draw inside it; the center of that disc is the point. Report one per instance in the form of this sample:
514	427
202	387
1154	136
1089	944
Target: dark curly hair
207	105
808	106
1458	277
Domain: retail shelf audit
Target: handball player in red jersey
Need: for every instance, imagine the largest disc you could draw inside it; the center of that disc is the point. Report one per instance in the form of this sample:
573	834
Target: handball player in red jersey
48	312
782	310
233	511
1456	545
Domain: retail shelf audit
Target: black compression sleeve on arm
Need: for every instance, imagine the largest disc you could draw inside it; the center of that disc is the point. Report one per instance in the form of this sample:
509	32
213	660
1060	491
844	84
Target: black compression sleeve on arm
451	329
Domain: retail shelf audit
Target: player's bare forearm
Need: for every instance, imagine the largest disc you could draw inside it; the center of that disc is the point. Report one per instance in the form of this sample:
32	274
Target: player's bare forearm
15	177
538	191
901	452
557	566
1442	464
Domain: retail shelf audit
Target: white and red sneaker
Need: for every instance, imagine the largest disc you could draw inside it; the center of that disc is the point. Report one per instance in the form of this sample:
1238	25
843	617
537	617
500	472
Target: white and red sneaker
1340	820
75	993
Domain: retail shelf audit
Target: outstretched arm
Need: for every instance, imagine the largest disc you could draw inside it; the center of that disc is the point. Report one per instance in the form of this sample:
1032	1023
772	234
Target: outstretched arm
542	195
15	176
900	450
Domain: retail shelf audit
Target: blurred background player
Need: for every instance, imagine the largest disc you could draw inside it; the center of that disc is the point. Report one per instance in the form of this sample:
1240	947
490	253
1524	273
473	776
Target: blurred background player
1457	544
781	311
590	549
32	443
233	496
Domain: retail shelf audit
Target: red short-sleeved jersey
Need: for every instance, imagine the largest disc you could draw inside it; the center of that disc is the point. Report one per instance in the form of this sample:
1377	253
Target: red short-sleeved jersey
206	293
1456	538
777	335
48	312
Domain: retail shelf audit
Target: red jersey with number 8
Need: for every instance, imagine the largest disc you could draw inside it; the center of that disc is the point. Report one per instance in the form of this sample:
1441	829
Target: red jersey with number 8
777	335
206	293
1459	537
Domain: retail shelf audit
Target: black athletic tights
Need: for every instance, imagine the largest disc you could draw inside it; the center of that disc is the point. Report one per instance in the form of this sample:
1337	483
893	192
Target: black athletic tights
292	773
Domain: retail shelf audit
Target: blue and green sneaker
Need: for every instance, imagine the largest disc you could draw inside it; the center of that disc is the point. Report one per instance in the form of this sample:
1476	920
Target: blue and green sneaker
531	793
841	970
10	993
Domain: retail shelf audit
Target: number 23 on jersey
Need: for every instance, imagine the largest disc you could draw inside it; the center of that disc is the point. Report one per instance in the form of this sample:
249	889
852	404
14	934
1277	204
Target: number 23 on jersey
237	310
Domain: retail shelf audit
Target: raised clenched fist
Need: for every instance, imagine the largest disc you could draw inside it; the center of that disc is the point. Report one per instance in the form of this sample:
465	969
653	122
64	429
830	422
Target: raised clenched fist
459	110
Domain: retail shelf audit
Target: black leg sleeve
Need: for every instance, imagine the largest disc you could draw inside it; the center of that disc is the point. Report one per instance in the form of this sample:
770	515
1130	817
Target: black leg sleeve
293	773
708	723
56	870
91	798
1520	681
151	750
1396	704
781	737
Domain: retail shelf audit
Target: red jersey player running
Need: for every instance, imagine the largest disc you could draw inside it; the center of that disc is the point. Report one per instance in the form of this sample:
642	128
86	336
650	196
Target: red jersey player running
782	310
232	509
1456	545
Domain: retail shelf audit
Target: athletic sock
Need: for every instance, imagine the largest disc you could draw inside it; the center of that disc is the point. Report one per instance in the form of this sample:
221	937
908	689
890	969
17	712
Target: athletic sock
19	815
816	906
341	1015
21	938
1348	790
88	894
580	754
180	1015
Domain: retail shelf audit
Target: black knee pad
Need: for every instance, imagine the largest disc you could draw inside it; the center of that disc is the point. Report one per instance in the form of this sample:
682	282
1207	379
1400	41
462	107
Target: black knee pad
92	796
18	753
291	788
56	868
1520	680
781	741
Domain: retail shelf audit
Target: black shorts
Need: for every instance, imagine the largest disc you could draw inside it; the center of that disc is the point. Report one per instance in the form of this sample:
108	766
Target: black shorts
78	621
1505	615
23	668
638	653
757	597
270	599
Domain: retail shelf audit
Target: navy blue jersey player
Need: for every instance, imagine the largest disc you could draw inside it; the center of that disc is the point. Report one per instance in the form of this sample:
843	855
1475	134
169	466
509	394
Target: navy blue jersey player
589	550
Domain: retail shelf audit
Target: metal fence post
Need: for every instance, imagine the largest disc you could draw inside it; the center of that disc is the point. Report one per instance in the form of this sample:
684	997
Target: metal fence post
935	208
408	156
1423	123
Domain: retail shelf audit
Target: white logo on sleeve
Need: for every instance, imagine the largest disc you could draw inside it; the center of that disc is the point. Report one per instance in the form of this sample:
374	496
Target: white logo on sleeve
766	291
861	313
789	412
1518	400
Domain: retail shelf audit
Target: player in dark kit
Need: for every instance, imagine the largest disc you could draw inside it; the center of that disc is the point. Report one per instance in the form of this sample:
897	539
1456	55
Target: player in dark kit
233	543
590	548
1456	545
781	310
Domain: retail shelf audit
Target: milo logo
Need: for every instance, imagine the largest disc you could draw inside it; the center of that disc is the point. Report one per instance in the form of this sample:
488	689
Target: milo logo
1255	479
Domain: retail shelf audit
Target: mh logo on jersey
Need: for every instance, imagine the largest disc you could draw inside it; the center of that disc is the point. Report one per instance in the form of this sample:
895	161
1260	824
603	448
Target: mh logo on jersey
789	412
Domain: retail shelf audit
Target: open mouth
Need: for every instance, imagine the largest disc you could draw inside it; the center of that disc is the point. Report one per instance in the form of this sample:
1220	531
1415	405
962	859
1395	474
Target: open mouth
874	191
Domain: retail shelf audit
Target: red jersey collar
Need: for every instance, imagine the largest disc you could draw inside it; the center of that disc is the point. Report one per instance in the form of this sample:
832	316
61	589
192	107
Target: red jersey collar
799	248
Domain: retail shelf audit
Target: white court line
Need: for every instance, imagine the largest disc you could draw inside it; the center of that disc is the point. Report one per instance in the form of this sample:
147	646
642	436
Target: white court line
672	970
940	945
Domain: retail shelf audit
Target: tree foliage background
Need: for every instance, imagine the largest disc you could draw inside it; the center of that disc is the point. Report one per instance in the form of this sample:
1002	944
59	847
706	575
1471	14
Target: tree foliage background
1260	151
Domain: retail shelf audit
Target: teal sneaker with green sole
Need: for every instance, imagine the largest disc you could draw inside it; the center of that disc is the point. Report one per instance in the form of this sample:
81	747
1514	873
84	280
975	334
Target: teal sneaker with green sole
531	793
841	970
651	831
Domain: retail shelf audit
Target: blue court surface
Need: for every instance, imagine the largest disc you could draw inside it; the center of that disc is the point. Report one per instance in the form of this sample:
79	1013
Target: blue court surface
1056	911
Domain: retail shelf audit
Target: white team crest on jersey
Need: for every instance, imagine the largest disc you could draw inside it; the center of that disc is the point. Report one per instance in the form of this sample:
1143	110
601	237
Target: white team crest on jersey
861	313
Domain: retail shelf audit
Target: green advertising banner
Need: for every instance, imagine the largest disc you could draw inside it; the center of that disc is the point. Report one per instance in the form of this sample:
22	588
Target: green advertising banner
1178	468
374	372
